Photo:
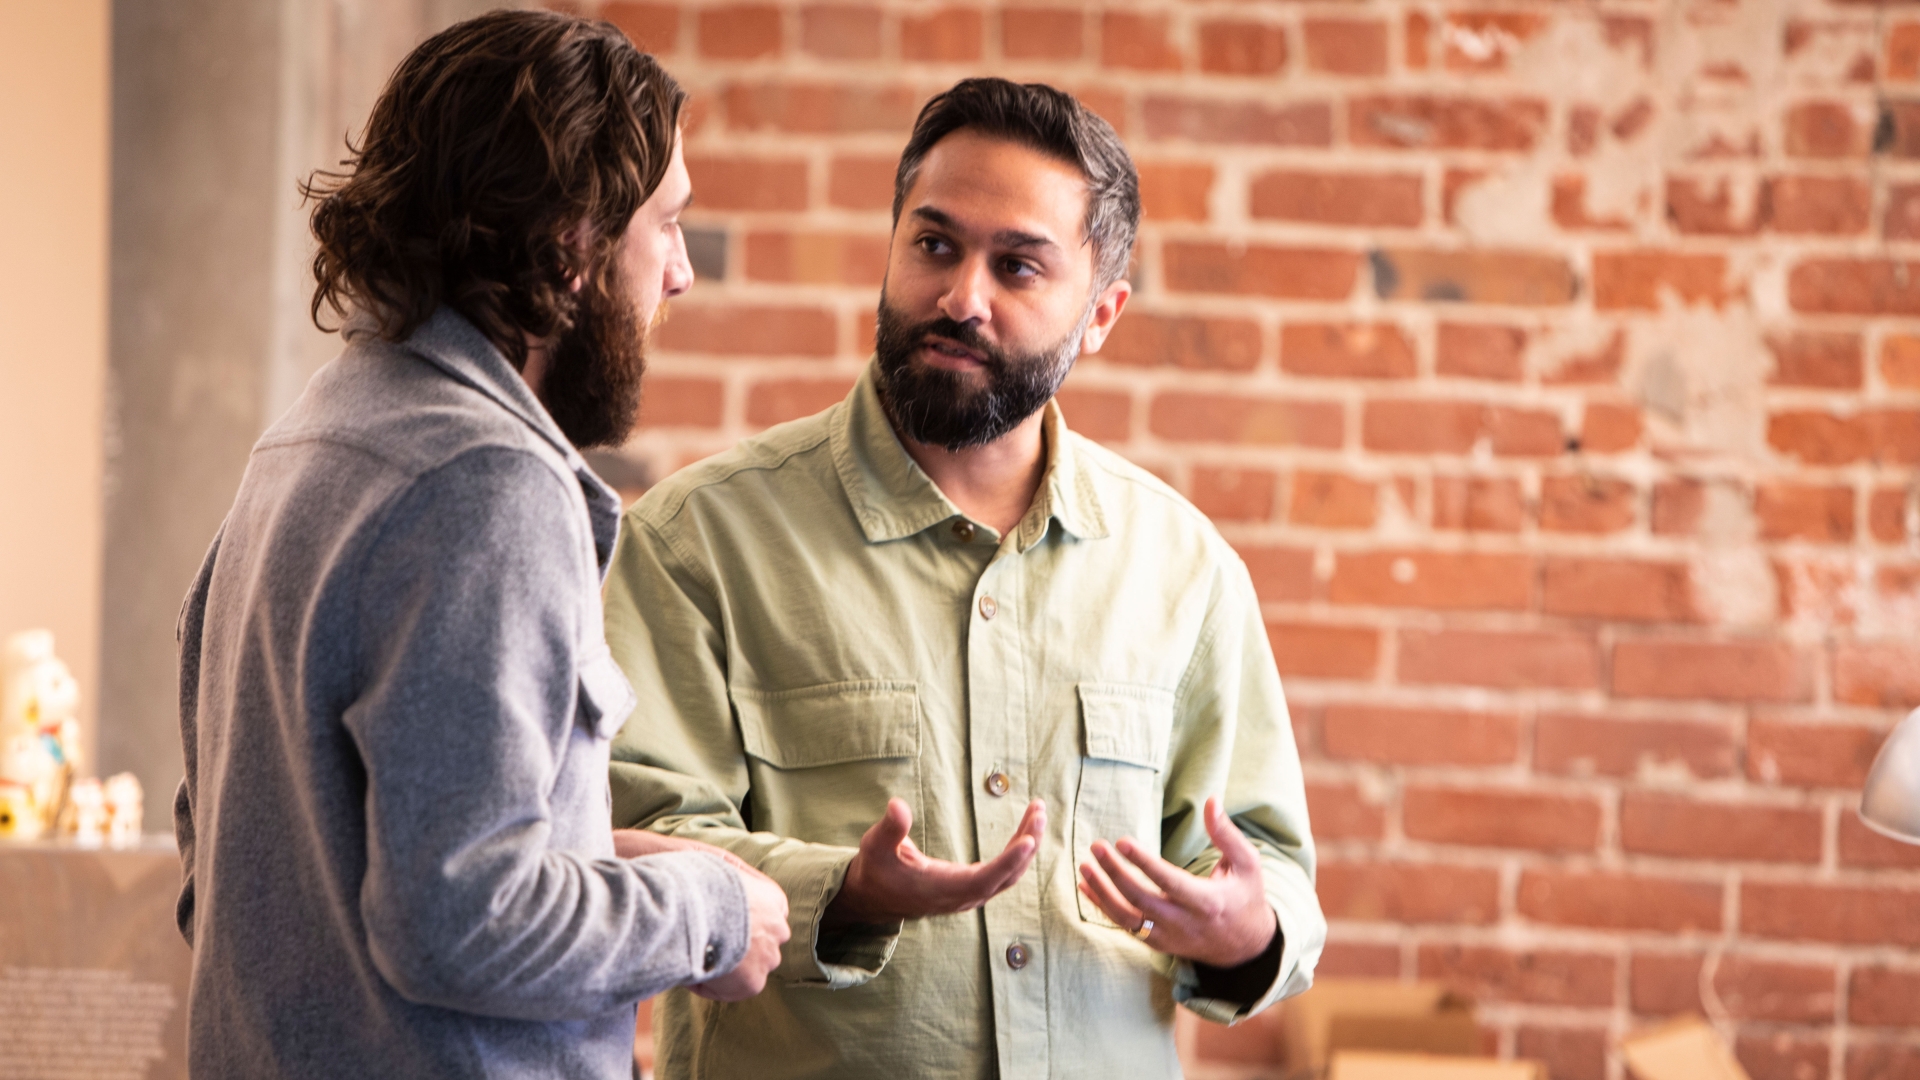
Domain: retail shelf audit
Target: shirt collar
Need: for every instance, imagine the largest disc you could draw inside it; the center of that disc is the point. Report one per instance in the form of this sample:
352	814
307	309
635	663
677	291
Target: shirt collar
893	498
455	346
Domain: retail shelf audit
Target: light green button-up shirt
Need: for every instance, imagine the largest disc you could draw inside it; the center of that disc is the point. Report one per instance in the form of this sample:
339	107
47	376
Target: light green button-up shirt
812	628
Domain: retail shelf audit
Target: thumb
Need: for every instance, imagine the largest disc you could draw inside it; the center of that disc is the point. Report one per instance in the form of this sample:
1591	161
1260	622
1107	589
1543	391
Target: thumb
891	830
1235	851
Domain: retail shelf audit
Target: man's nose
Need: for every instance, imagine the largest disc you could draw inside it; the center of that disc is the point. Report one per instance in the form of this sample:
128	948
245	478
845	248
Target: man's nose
678	276
969	297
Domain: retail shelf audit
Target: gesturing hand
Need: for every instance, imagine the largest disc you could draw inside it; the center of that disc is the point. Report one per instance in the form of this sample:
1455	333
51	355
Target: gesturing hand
767	931
1223	919
891	879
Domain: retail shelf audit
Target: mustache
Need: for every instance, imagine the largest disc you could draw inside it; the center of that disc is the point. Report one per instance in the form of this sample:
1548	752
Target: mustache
963	334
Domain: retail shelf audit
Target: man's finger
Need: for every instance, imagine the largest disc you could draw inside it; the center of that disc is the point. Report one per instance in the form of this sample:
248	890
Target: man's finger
1235	849
891	830
1135	889
1094	883
1181	887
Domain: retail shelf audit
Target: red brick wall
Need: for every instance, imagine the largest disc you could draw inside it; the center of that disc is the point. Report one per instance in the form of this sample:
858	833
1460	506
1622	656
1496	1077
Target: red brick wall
1555	367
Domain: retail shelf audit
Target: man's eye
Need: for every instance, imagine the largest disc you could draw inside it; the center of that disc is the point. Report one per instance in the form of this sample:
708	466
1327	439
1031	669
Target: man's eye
1019	268
933	245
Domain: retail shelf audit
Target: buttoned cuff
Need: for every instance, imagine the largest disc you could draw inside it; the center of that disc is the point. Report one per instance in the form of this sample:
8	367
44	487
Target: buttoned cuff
834	959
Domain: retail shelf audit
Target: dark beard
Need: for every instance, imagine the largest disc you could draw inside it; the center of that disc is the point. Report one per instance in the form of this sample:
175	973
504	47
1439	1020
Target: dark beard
592	383
939	407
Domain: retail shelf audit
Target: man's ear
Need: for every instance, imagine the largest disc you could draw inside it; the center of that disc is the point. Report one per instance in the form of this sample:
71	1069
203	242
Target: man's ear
1106	312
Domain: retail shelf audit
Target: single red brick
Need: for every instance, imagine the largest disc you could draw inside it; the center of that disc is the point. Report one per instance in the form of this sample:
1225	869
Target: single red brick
1902	120
1242	47
840	31
1422	426
1844	286
1491	817
1042	33
1481	351
1817	512
1610	429
1175	190
1887	515
1208	344
654	28
1355	960
1568	1053
1105	415
1677	506
1819	204
774	401
1391	200
1476	276
1139	41
1233	494
1749	988
1433	579
1885	674
856	183
1884	997
748	330
1587	504
1720	206
1483	40
1259	270
1814	358
810	108
1525	432
727	182
1882	1061
1518	659
1408	892
1434	122
1389	735
1819	437
1347	350
951	35
1571	745
1323	651
1346	46
1484	973
1903	52
1617	589
1719	670
1206	120
1641	279
816	258
1900	361
1419	35
1619	901
1844	914
1245	419
1659	824
1826	129
1344	812
1332	501
1279	573
739	31
1895	435
1811	755
1569	206
1860	846
681	401
1478	504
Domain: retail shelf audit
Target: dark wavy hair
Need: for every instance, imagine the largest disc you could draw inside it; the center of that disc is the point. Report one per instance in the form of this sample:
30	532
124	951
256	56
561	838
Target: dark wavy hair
494	140
1056	124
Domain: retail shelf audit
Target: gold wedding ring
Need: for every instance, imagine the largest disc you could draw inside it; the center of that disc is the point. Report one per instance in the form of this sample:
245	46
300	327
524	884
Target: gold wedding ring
1145	928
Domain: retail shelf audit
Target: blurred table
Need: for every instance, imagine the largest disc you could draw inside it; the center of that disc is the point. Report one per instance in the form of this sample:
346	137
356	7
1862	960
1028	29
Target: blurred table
93	974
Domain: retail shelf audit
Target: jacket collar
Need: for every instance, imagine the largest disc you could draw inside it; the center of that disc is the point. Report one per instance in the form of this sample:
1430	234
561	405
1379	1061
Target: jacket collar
893	498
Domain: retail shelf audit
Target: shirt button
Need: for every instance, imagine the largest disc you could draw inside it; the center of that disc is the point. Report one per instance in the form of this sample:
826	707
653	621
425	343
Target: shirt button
963	531
988	609
712	957
997	783
1016	956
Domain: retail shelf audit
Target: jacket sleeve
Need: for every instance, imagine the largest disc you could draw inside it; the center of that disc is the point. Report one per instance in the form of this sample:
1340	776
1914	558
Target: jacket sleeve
1234	739
188	632
471	628
679	766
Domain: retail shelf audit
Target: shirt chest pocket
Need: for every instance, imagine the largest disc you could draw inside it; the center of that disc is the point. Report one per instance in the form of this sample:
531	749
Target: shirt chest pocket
1125	731
822	761
606	698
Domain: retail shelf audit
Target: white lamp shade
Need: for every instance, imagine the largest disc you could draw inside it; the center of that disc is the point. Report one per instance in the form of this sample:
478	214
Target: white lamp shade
1890	803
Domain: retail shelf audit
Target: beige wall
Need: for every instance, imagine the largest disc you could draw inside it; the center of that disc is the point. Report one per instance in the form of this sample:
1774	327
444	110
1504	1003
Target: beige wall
53	311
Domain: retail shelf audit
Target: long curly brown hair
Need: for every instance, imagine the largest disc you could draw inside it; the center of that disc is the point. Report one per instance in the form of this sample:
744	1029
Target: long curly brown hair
505	156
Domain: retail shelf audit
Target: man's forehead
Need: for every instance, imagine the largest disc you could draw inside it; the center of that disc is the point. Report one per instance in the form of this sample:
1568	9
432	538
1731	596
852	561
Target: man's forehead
982	183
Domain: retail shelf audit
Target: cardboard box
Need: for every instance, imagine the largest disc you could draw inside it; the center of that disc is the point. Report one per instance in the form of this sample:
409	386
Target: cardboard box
1683	1049
1376	1014
1376	1065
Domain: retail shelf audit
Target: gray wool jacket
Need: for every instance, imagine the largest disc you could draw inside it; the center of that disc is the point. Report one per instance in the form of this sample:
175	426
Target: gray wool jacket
395	704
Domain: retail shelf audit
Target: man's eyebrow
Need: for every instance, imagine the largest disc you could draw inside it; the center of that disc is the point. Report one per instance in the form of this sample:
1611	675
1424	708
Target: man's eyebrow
684	203
1007	238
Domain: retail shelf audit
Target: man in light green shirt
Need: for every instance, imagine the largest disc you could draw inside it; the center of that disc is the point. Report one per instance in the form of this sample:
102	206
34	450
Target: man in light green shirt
930	625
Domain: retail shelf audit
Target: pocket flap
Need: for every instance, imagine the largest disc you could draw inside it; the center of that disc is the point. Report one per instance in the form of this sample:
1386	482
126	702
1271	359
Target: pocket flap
1128	724
830	724
606	697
